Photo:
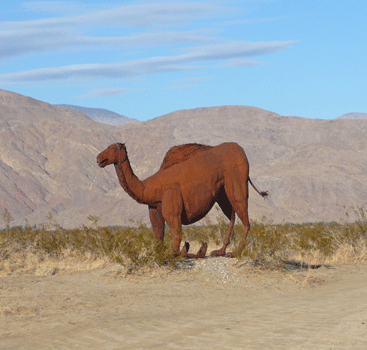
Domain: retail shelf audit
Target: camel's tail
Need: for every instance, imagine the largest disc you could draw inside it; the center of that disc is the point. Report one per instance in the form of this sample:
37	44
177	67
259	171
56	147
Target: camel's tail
262	194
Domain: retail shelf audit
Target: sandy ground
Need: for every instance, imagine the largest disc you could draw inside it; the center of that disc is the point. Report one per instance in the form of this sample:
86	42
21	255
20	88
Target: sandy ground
212	305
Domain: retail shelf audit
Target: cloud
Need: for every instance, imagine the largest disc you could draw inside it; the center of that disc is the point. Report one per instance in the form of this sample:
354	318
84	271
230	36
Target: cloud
237	49
110	70
96	93
240	62
155	14
195	58
191	80
153	24
179	87
21	42
56	7
144	26
139	15
236	22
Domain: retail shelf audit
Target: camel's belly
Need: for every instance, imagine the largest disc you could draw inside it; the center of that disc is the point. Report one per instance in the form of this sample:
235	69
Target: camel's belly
194	217
198	200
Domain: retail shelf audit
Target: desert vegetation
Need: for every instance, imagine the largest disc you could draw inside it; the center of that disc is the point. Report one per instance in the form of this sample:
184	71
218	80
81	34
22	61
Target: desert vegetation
50	248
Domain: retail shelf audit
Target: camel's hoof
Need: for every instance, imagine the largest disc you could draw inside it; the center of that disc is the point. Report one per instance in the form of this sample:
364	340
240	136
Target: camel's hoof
200	254
230	255
202	251
185	249
219	252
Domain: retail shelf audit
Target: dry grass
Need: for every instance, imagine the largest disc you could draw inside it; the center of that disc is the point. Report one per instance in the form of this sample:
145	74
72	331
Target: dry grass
307	245
50	249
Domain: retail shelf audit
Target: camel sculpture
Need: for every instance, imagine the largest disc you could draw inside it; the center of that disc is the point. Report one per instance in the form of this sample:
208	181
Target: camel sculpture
192	178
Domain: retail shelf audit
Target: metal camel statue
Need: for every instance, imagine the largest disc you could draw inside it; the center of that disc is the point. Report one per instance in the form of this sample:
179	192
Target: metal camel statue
191	180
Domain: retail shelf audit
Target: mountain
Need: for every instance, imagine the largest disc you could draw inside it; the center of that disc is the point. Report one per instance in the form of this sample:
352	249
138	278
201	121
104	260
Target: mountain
47	156
353	116
311	168
100	115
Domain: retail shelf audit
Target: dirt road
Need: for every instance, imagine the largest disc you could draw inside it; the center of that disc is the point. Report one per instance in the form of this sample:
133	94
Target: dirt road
211	306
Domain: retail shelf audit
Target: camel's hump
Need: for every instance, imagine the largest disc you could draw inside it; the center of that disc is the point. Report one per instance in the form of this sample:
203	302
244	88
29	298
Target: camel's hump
178	154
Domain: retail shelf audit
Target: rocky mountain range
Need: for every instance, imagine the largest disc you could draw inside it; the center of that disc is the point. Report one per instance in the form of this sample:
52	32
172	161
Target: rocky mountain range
354	116
311	168
101	115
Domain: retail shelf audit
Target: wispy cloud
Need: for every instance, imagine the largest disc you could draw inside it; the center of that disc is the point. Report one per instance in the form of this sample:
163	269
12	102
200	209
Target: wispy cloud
240	62
152	24
96	93
140	15
174	29
179	87
15	43
125	69
54	7
195	58
192	80
236	22
237	49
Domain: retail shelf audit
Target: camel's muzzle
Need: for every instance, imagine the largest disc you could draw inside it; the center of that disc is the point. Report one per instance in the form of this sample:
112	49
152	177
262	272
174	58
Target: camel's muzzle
103	163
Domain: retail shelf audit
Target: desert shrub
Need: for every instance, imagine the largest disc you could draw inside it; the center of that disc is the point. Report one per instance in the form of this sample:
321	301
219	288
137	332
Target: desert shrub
314	237
203	233
269	245
132	247
307	244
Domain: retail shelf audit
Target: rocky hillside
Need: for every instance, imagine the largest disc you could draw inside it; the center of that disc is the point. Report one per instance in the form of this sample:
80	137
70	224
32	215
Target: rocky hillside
311	168
101	115
354	116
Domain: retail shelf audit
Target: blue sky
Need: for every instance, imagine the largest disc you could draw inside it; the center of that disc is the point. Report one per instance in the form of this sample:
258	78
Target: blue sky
143	59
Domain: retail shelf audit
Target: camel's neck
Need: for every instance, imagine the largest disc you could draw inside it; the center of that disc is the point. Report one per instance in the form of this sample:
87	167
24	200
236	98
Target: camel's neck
129	182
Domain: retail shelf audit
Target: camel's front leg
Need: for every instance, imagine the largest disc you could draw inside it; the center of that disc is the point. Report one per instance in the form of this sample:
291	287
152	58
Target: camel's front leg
172	207
227	240
157	220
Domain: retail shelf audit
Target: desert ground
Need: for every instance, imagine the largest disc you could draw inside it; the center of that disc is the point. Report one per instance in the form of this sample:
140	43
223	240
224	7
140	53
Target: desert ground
216	303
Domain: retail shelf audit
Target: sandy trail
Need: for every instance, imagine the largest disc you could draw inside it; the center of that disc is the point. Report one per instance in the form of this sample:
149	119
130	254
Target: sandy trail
204	308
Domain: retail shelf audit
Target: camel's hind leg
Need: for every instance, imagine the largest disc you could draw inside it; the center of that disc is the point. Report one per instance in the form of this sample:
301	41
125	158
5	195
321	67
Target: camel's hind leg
242	212
237	191
229	211
243	215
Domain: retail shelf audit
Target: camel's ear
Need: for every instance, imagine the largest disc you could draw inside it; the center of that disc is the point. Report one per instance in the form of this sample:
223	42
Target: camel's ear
121	146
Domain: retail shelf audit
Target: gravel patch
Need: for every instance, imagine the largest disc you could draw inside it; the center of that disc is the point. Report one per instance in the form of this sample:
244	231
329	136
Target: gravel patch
219	268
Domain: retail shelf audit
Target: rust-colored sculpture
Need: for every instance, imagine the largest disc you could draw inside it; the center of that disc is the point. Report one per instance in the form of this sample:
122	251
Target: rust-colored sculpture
191	179
179	154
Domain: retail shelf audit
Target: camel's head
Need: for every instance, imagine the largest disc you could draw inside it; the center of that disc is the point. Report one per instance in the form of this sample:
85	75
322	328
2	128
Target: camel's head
112	155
